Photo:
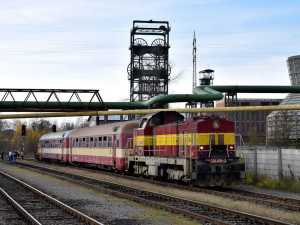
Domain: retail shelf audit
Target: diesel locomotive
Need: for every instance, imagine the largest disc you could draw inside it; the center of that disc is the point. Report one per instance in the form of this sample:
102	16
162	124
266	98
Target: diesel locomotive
201	151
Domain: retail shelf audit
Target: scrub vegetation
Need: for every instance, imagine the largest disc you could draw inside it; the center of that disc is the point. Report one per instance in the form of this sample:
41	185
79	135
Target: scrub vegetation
285	183
11	138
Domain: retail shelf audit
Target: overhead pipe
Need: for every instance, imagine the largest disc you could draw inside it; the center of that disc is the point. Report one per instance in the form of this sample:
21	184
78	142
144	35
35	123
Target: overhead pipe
255	88
201	94
146	111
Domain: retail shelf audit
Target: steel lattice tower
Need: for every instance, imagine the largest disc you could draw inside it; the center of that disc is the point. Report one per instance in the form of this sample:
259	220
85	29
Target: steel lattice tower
149	70
193	104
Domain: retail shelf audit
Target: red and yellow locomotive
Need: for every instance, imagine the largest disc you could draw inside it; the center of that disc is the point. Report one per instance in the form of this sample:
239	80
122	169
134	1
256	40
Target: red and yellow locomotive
200	151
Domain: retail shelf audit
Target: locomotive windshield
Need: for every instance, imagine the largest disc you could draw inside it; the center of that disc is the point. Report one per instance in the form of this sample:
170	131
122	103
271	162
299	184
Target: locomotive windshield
143	123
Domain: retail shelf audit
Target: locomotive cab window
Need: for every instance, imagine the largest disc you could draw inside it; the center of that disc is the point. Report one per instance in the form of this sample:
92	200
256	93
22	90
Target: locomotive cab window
155	121
143	123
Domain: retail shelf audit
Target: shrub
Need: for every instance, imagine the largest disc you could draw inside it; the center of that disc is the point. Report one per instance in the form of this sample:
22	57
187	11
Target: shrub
285	183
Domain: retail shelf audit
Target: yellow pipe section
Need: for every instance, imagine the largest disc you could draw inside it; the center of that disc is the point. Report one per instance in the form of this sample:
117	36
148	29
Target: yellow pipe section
147	111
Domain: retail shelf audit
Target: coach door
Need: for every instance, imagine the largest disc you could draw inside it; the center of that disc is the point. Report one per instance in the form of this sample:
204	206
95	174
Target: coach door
183	142
114	149
63	145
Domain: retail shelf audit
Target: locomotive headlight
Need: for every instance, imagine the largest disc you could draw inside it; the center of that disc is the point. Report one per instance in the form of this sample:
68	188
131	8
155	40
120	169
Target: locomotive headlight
201	147
216	124
231	147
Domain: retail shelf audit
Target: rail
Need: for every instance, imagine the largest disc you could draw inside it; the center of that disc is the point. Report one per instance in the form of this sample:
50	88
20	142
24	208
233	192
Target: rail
72	211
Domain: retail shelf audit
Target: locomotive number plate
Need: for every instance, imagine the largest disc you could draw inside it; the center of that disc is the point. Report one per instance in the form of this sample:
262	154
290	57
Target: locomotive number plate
218	161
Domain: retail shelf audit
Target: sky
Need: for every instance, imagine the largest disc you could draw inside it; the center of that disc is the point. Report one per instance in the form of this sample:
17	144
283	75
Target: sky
84	44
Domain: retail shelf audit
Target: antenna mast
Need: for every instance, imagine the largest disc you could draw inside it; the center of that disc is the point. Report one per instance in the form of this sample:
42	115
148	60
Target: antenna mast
194	62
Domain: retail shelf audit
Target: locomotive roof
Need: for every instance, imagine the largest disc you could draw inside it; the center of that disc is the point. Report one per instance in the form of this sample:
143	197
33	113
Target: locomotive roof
56	135
148	116
111	128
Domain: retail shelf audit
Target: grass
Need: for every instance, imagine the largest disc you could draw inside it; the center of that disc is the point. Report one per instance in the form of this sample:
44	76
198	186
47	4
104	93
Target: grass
285	183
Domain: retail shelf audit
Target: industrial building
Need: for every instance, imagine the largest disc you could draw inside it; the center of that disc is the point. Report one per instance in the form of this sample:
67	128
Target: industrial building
283	128
250	123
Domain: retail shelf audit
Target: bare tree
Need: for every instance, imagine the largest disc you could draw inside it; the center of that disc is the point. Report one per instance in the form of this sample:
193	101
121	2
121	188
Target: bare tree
283	128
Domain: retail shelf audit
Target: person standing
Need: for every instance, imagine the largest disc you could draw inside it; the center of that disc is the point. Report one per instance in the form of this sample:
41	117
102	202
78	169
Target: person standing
14	155
10	155
2	155
22	155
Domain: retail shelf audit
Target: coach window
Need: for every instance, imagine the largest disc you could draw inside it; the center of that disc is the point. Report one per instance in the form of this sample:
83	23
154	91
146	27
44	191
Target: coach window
100	142
95	142
91	142
83	142
80	142
73	142
117	141
60	143
77	142
87	142
104	142
109	141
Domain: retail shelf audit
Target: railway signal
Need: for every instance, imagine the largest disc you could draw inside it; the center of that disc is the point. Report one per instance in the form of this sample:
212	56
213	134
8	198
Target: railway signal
23	130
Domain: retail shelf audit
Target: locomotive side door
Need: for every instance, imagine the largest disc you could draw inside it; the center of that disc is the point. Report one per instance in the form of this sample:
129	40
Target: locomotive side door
183	142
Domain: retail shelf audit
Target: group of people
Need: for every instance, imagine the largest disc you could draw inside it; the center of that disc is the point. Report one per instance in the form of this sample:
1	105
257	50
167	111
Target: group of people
12	156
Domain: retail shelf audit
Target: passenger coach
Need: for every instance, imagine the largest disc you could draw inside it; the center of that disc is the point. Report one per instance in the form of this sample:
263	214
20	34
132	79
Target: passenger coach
54	146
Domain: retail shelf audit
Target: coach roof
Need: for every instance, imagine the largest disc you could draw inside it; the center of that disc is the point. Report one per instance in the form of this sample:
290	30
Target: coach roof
111	128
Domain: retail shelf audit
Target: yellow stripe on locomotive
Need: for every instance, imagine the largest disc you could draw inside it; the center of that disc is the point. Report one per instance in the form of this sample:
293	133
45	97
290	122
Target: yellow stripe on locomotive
202	139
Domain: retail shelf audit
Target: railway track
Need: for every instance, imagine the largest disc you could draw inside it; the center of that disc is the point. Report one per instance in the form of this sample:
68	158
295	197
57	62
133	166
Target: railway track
278	202
266	199
199	211
8	213
35	207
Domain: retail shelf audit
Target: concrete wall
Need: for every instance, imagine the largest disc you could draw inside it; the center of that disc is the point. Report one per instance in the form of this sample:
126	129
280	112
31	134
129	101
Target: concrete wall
273	161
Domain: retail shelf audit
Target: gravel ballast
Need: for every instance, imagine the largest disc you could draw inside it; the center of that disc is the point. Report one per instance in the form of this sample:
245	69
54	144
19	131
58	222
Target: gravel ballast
104	208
